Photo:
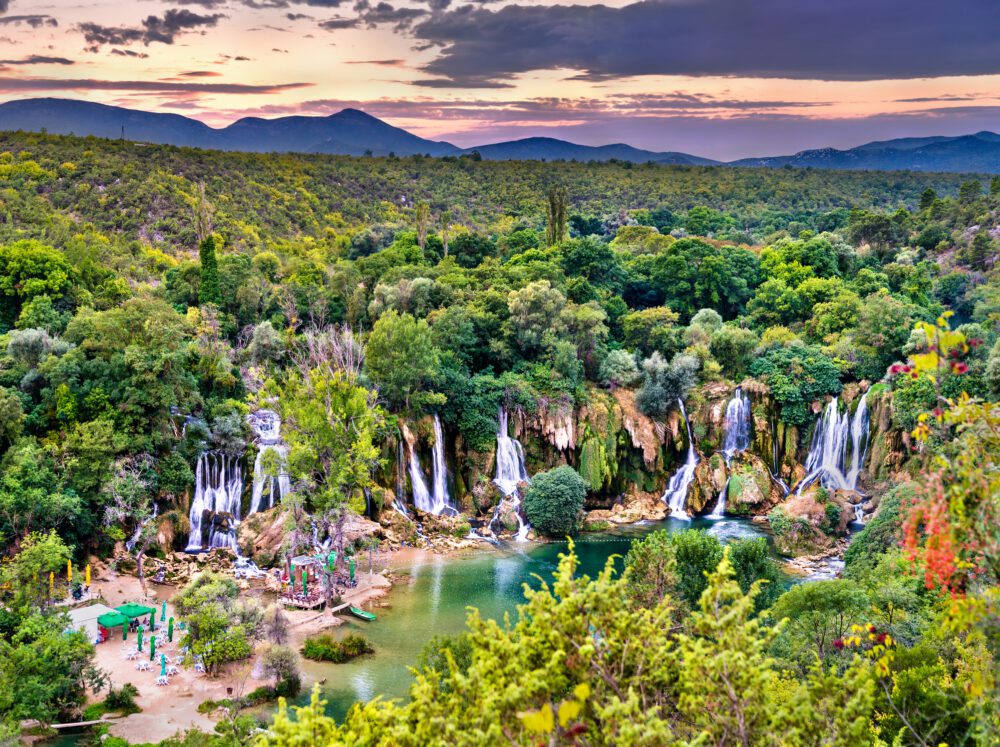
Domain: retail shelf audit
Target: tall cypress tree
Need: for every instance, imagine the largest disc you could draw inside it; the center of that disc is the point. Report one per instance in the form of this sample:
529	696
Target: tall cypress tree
209	292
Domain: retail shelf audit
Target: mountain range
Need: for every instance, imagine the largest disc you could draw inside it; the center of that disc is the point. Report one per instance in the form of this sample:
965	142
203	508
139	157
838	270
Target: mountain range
353	132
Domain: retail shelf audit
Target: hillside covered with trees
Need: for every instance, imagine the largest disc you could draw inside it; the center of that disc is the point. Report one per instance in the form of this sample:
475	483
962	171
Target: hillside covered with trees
151	298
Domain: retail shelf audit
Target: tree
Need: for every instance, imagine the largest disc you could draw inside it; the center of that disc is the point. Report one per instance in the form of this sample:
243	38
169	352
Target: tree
281	664
28	269
445	223
818	614
798	375
555	232
422	218
32	496
27	573
402	358
129	510
619	369
554	500
664	384
652	330
535	312
208	290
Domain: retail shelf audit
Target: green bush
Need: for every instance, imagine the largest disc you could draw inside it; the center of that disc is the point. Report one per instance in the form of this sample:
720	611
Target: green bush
554	500
327	648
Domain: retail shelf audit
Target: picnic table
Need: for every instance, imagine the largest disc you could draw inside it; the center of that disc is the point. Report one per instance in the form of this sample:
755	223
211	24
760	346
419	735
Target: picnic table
132	655
142	666
162	681
172	670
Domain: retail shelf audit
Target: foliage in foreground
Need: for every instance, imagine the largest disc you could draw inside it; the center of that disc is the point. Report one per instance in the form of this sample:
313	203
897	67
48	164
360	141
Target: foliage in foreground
570	668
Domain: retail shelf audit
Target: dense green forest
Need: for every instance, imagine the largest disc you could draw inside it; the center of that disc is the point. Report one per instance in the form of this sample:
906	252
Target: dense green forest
151	297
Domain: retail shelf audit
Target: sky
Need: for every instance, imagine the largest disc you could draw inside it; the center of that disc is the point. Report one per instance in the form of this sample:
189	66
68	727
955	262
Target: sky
717	78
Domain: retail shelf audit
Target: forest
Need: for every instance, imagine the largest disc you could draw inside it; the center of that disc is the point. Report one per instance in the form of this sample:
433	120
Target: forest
152	299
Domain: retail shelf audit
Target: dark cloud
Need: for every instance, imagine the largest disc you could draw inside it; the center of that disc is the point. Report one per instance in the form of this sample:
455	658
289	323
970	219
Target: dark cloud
9	85
37	59
382	63
800	39
336	23
199	74
35	21
385	13
298	17
4	6
175	21
129	53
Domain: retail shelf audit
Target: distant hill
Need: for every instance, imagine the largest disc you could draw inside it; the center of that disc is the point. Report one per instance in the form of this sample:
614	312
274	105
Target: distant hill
551	149
348	132
353	132
978	152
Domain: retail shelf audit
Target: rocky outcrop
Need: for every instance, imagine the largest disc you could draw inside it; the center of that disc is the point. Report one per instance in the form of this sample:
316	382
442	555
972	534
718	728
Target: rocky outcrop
809	523
636	506
751	489
645	434
709	479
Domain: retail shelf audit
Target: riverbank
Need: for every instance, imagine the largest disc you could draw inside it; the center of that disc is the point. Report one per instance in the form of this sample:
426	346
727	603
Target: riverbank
173	708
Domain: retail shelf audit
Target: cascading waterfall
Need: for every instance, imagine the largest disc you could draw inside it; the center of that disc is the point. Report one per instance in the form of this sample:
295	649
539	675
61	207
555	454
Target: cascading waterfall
399	505
436	502
837	436
736	425
218	488
675	495
511	472
776	462
736	440
268	490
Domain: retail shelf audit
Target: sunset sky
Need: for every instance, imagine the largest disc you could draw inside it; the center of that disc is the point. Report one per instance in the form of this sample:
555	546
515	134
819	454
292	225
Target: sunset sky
718	78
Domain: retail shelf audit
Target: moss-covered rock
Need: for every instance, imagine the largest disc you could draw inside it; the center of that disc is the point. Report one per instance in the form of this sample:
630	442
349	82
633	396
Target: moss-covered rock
751	490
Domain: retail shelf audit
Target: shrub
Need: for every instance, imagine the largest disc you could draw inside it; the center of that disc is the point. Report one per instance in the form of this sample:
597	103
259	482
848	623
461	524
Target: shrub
554	501
752	562
327	648
663	384
619	369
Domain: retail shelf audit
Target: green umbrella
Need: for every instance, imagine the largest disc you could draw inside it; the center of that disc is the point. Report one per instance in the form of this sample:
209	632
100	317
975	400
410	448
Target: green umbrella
163	610
331	561
152	620
291	577
140	638
351	566
152	648
163	665
125	630
170	630
305	582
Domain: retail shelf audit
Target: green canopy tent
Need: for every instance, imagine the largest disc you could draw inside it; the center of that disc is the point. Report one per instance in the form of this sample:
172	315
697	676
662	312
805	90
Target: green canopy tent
111	620
134	611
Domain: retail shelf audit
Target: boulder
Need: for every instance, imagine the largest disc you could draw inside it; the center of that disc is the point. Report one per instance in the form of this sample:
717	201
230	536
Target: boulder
709	479
636	506
751	489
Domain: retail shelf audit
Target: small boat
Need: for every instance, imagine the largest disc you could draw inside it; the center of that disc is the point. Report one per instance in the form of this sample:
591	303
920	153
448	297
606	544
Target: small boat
358	612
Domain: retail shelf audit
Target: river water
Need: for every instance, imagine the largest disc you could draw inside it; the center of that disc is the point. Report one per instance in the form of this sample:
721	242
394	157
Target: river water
432	596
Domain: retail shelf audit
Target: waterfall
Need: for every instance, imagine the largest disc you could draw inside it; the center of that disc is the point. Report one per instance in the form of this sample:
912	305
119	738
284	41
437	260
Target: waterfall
675	496
218	488
837	436
268	490
510	459
511	472
720	505
436	502
399	505
776	462
737	425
